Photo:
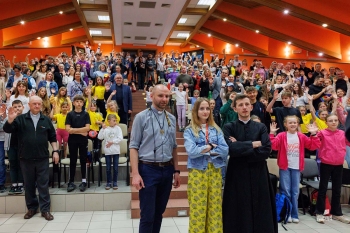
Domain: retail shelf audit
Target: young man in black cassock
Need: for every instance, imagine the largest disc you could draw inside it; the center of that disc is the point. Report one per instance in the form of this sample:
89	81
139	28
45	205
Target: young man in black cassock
249	201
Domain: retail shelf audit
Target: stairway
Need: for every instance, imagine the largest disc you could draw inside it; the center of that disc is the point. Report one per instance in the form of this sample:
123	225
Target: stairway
178	197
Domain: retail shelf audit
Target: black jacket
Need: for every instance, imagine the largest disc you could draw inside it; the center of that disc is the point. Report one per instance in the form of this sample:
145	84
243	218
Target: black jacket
32	143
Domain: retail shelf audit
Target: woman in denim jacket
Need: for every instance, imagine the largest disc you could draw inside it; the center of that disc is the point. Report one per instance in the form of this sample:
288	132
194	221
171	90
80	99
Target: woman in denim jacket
207	151
49	84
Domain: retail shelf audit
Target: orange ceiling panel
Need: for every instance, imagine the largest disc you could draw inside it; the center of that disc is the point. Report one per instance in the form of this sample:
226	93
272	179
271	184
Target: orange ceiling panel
336	9
75	33
286	24
38	25
10	8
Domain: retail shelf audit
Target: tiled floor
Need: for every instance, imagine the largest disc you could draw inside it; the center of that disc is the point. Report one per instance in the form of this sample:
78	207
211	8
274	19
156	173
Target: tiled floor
120	222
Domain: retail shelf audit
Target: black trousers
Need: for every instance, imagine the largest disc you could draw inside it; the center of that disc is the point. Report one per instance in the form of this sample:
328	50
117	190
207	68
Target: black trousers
336	172
102	106
123	116
36	172
73	153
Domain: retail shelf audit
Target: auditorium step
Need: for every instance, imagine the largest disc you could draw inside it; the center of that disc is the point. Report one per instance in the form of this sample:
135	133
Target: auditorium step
174	205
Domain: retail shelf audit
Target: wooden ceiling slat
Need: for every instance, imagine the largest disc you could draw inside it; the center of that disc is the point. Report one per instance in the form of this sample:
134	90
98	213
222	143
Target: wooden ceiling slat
232	40
202	21
275	34
184	28
32	16
94	7
102	37
111	20
83	21
176	40
49	32
306	15
201	44
99	25
195	11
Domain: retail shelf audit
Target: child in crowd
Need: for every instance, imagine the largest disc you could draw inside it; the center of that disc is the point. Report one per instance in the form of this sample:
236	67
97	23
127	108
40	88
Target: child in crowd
332	153
8	94
61	132
148	96
78	126
181	106
112	108
226	111
95	119
98	93
216	114
112	136
264	101
321	107
15	169
290	159
194	98
59	99
3	81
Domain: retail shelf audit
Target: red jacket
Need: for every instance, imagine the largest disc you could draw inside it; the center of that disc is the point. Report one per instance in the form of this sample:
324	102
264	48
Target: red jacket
333	147
279	143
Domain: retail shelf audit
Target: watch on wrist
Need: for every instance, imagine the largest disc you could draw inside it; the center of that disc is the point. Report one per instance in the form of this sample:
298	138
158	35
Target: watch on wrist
177	171
55	151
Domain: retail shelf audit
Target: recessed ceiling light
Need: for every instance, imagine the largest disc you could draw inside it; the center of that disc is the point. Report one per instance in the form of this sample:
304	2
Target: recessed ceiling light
103	17
38	38
185	35
209	35
197	46
324	25
289	42
286	12
182	20
22	22
320	54
95	32
236	45
206	2
71	29
257	31
61	12
224	19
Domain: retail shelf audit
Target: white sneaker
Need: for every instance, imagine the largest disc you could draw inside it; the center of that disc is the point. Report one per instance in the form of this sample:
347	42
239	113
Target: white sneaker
320	218
289	220
341	219
295	220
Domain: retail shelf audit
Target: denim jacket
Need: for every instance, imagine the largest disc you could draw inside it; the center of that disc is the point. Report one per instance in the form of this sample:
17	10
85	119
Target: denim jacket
194	145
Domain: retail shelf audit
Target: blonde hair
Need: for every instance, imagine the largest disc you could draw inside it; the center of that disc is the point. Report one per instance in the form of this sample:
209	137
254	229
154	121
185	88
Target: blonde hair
114	103
195	123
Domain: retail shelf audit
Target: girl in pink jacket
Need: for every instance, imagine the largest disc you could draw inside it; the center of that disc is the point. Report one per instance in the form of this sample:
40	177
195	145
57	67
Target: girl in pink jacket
290	159
331	154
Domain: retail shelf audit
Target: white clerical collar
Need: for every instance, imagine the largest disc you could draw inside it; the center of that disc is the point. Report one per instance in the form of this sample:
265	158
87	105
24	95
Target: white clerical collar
245	122
156	110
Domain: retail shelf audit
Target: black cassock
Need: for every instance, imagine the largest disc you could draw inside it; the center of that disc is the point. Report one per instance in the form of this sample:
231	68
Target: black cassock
248	202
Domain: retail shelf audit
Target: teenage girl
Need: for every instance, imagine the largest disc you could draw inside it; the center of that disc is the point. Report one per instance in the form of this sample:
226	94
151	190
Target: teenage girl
59	99
331	153
95	119
61	132
98	93
181	106
290	159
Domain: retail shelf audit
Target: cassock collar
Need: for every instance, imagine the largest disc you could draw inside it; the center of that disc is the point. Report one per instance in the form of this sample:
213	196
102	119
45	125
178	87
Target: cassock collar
244	122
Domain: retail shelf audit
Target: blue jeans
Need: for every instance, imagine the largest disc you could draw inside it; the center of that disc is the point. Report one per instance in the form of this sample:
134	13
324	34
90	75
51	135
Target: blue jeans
109	161
2	164
154	197
289	185
347	156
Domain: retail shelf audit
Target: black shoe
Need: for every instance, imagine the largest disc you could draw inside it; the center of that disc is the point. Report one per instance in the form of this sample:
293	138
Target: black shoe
19	190
2	188
12	190
82	186
71	186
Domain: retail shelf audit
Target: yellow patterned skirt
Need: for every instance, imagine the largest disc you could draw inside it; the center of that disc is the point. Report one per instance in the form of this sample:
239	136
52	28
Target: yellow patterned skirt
205	200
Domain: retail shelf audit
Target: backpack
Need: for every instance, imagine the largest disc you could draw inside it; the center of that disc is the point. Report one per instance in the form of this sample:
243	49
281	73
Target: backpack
327	209
283	207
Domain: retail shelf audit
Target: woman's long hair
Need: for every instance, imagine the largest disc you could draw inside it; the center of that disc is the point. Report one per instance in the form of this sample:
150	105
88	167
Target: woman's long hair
23	83
46	102
195	122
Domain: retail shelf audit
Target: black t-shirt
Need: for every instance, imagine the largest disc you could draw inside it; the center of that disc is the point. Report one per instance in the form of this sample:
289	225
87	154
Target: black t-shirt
314	90
281	112
77	120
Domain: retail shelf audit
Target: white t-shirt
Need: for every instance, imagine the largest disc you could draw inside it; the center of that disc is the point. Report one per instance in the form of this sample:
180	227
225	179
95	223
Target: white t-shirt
293	150
180	97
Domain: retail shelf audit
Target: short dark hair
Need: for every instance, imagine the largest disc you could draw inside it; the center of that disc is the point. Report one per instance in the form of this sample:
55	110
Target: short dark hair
17	67
250	89
17	102
239	97
78	97
318	77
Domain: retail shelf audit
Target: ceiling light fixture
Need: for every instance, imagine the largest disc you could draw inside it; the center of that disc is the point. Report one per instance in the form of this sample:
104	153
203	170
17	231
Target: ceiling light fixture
286	12
224	19
95	32
257	31
197	46
236	45
289	42
320	54
182	20
22	22
38	38
206	2
183	35
71	29
103	17
209	35
324	25
61	12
